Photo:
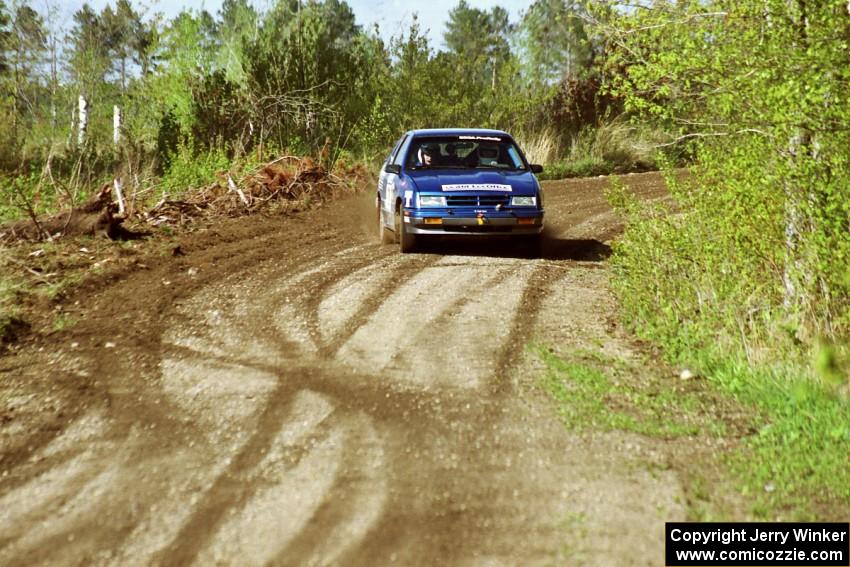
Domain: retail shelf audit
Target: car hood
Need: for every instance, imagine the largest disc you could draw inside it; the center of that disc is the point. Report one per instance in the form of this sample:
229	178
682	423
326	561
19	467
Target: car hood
520	182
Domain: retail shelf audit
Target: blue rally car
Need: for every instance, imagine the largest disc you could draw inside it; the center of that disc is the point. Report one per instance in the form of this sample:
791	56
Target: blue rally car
458	182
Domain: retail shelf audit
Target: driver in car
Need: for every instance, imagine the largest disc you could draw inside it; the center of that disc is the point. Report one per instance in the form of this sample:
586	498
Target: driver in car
426	156
488	155
451	157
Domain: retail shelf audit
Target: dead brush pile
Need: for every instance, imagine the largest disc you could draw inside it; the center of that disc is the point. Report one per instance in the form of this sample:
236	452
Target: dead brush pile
98	215
287	183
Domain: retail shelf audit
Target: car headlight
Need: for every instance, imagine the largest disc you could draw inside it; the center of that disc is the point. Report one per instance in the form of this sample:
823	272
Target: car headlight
432	201
523	201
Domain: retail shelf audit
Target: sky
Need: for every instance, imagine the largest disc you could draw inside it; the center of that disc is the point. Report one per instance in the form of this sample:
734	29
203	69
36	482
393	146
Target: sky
392	16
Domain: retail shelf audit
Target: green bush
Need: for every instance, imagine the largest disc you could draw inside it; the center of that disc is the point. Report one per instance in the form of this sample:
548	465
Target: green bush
18	192
763	239
190	168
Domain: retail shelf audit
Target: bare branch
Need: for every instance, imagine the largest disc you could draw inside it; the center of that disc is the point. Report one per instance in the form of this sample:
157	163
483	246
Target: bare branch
683	137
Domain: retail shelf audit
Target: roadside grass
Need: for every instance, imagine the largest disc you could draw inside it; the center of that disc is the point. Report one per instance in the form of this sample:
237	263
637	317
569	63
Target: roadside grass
10	309
17	190
575	524
591	393
63	322
797	465
189	168
540	147
794	467
35	275
612	147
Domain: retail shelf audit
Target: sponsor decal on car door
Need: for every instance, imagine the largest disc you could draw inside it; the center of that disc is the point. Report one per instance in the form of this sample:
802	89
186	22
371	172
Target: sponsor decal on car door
389	202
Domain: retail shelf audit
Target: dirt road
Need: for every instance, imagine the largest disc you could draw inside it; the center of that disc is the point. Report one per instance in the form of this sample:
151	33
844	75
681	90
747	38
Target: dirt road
290	392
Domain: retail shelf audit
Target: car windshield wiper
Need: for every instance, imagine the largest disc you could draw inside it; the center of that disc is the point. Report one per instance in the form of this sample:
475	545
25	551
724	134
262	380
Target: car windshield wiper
438	166
490	166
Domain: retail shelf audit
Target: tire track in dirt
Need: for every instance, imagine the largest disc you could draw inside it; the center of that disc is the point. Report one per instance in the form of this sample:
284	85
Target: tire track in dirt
346	516
446	310
207	534
198	529
75	382
23	447
311	299
521	328
200	523
89	472
363	300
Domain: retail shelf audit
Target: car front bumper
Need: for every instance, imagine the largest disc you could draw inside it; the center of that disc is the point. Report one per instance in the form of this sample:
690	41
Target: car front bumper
503	224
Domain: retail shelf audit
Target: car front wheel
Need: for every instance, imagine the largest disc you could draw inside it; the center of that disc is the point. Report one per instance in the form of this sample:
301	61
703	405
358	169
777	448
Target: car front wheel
386	235
406	240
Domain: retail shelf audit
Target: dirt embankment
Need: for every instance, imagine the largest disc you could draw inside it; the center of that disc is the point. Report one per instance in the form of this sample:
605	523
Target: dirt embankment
288	391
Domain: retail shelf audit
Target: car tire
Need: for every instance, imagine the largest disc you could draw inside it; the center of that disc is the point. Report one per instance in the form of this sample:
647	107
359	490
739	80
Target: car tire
406	240
386	235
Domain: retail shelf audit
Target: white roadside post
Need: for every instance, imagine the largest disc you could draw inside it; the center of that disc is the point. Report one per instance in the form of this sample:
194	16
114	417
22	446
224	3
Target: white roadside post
116	124
116	139
83	120
119	194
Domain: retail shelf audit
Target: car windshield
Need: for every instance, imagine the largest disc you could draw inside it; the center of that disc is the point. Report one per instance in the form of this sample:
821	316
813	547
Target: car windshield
465	152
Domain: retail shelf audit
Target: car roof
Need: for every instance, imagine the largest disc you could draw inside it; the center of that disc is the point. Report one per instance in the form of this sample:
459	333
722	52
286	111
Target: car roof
458	132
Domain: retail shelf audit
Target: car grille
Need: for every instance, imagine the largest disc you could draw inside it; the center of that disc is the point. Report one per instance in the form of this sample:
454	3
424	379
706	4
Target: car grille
477	200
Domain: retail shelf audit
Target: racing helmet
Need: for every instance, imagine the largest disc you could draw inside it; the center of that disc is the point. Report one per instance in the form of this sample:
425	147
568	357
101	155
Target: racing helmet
427	149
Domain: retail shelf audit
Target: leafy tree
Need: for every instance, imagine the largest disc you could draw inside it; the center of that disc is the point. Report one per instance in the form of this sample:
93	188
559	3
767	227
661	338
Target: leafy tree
53	46
479	39
412	100
185	50
127	38
220	110
7	137
25	45
369	90
301	67
758	88
116	26
297	73
554	41
4	36
89	53
239	23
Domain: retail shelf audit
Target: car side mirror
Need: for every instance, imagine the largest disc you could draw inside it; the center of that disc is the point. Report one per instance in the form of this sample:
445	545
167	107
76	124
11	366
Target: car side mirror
393	168
536	168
